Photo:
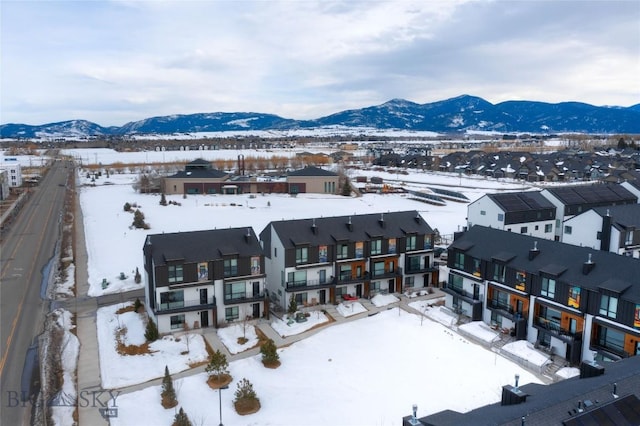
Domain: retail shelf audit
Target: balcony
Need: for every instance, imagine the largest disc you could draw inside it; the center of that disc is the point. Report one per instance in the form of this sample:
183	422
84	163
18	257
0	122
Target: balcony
386	274
308	284
235	298
435	266
346	278
455	290
186	306
554	328
505	309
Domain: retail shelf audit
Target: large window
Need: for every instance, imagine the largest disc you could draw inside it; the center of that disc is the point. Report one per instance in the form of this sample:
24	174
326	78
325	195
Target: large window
297	278
455	282
301	298
322	276
177	321
611	339
302	255
172	299
548	228
342	251
232	313
345	272
175	273
608	306
548	288
414	263
230	267
409	281
235	291
458	260
378	269
376	247
498	272
411	242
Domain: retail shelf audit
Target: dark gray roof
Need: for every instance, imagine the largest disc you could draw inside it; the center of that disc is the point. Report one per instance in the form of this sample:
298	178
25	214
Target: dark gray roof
312	171
521	201
555	258
197	246
596	194
199	174
329	230
624	216
551	404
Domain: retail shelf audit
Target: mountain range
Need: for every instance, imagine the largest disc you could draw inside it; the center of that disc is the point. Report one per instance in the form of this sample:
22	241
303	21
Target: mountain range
459	114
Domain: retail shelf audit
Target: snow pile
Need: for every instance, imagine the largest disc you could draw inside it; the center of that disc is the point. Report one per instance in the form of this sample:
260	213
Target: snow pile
289	327
481	331
380	300
525	350
351	308
230	335
62	413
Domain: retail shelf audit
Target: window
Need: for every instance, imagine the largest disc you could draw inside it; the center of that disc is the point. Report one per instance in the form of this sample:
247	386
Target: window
548	228
610	338
230	267
414	263
548	287
523	229
322	276
232	313
297	278
301	298
378	269
345	272
498	272
568	230
628	238
302	255
375	286
411	242
175	273
275	252
172	299
340	291
500	217
409	281
376	247
177	321
458	261
608	306
235	291
599	235
476	267
483	213
455	282
342	251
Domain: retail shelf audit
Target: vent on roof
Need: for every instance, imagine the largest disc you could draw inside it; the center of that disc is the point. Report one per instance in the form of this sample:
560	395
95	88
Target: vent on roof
247	236
349	224
417	218
314	228
588	265
381	220
534	251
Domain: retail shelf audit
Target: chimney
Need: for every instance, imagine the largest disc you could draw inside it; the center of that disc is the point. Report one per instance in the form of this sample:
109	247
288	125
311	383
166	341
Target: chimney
417	217
534	251
588	265
381	220
314	228
247	236
349	224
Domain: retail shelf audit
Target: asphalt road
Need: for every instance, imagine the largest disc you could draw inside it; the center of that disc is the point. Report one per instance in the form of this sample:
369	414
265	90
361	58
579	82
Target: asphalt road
27	247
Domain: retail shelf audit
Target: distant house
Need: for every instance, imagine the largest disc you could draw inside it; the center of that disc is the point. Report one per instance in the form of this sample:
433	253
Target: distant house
614	228
204	278
526	212
198	177
313	179
576	199
326	259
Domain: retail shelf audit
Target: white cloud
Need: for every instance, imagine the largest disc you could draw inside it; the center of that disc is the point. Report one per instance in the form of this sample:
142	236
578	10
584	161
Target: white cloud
113	62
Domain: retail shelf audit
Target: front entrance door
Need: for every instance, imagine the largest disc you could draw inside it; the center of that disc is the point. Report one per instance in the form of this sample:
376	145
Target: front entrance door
256	288
392	286
359	290
204	318
323	296
203	296
256	310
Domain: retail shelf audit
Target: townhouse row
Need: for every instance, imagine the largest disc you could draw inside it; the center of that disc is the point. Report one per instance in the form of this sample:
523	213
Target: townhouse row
212	277
579	303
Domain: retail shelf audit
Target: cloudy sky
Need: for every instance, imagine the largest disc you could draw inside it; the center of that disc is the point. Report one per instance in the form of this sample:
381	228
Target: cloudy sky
112	62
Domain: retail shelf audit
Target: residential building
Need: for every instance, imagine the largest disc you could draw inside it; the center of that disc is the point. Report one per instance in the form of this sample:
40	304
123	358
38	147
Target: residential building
614	228
577	302
198	177
327	259
204	278
314	180
526	212
4	184
576	199
14	173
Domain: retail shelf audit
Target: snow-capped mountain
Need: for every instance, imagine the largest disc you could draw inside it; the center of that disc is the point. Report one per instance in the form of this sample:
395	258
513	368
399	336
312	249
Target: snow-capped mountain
459	114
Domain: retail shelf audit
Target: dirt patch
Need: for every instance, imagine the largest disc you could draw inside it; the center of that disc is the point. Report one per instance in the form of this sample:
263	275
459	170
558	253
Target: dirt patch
218	382
122	310
124	349
273	365
247	406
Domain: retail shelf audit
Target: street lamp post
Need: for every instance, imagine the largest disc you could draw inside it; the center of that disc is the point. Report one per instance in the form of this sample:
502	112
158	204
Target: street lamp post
220	399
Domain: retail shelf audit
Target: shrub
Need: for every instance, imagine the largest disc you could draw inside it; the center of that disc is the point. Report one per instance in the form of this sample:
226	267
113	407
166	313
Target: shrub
138	279
218	365
293	306
181	419
151	332
269	353
137	305
138	219
246	401
127	207
168	392
163	200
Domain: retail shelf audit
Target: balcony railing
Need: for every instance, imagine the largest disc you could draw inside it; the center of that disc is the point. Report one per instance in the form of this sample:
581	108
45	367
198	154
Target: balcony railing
186	305
458	290
344	278
555	328
242	298
505	308
308	283
387	274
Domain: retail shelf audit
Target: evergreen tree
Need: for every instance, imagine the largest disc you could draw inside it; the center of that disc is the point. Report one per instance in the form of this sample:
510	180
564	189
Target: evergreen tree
269	352
127	206
138	278
218	365
137	305
168	392
163	200
293	306
138	219
151	332
245	391
181	419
